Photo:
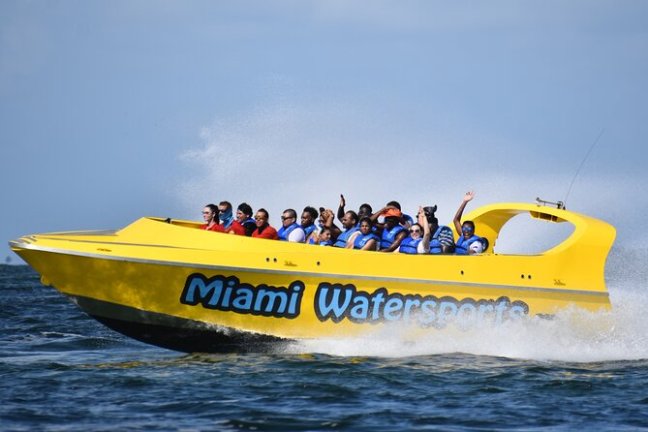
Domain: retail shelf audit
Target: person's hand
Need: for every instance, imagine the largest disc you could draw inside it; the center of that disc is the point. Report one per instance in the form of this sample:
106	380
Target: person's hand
342	201
469	196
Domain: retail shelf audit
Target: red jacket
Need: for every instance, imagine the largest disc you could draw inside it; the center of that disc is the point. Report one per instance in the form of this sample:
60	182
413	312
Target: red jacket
236	228
267	233
215	227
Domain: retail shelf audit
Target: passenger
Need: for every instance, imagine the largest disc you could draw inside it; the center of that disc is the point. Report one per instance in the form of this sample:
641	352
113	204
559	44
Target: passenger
308	218
349	223
226	217
326	220
291	231
418	242
466	230
393	232
263	228
210	216
244	224
323	238
442	239
364	238
406	220
364	210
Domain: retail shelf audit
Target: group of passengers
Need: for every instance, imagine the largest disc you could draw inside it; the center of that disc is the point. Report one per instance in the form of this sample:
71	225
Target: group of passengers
387	230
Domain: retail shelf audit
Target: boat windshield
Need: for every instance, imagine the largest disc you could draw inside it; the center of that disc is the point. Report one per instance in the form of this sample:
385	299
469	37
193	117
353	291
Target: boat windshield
525	235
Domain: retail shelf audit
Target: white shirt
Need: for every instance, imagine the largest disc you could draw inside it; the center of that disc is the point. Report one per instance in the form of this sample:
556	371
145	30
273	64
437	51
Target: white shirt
297	235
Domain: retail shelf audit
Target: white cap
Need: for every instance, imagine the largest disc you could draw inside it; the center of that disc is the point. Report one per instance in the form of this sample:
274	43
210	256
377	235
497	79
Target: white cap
477	247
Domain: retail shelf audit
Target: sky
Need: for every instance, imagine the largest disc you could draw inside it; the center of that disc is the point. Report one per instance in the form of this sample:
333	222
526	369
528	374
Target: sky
114	110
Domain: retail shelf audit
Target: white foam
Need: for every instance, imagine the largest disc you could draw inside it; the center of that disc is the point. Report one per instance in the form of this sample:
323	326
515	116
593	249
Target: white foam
574	335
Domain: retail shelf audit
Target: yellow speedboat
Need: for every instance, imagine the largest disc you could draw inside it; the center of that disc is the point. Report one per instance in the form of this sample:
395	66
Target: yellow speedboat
170	284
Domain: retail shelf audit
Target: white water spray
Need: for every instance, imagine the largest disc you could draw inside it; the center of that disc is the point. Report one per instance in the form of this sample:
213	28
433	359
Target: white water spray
574	335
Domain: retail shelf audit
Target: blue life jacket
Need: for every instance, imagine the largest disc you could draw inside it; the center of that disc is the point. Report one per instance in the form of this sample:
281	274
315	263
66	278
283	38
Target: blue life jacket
309	229
388	237
435	244
362	240
410	245
343	237
462	244
323	243
284	232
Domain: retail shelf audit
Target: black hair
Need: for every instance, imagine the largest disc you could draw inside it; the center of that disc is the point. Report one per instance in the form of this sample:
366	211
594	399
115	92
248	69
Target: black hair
354	215
227	204
366	219
311	211
245	209
214	209
366	207
291	212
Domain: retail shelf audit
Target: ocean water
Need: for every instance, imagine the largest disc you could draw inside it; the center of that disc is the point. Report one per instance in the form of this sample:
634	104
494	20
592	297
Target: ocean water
61	370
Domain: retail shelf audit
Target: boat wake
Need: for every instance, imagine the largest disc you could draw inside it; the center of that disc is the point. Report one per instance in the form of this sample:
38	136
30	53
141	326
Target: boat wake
574	335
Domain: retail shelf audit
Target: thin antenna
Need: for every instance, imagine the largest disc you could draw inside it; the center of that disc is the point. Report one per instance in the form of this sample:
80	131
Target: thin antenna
583	163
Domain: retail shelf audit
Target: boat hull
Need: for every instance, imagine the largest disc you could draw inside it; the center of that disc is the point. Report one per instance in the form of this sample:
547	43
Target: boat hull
223	309
175	333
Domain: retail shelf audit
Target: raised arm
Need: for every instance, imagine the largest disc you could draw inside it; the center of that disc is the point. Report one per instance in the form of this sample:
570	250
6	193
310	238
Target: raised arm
328	223
340	212
422	220
457	219
374	217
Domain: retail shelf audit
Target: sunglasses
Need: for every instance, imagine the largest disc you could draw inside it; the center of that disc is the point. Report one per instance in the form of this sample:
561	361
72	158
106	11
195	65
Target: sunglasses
283	218
415	230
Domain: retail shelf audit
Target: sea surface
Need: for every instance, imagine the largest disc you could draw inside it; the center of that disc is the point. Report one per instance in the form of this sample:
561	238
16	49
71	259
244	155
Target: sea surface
61	370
